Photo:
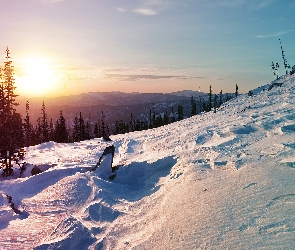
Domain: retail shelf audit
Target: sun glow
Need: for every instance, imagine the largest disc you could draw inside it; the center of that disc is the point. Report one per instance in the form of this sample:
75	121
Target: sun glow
37	77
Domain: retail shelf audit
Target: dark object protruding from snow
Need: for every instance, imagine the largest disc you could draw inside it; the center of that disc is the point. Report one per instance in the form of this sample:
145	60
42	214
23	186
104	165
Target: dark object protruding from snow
106	138
12	204
36	170
107	150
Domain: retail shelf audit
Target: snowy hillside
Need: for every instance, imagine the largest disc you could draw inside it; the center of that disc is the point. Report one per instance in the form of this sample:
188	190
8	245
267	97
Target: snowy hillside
220	180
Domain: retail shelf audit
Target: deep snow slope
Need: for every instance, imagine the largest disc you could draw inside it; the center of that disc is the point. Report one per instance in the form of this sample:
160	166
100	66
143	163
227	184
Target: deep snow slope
220	180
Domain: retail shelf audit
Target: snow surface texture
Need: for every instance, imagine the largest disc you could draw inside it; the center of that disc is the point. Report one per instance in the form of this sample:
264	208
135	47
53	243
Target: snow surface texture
220	180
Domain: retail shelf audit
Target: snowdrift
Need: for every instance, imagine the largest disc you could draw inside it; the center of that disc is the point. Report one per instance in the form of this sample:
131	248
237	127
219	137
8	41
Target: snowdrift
220	180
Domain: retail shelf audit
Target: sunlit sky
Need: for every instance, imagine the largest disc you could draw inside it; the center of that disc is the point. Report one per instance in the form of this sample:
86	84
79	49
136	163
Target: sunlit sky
63	47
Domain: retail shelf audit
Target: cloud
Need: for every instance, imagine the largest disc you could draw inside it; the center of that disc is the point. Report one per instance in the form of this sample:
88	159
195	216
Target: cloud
145	11
135	77
150	7
51	1
121	9
280	33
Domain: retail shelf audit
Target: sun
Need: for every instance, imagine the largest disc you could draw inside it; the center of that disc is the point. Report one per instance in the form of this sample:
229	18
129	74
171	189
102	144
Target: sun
37	77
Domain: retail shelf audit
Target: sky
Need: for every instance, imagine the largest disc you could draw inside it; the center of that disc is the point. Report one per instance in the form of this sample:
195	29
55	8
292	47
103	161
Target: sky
64	47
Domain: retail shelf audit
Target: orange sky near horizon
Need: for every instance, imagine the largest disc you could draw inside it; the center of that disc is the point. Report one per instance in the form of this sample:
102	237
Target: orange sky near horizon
66	47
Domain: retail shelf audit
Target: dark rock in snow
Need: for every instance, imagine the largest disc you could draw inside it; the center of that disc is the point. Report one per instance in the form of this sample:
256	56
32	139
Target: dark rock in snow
36	170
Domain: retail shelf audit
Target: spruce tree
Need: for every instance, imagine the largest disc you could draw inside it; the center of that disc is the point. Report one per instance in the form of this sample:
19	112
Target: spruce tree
28	128
193	106
42	126
215	103
210	99
275	68
166	118
286	65
11	133
61	131
76	131
82	127
87	131
237	88
180	114
103	127
220	98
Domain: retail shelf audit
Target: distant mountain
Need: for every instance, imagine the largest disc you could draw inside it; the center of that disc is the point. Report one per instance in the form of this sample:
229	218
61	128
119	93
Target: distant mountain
115	105
108	98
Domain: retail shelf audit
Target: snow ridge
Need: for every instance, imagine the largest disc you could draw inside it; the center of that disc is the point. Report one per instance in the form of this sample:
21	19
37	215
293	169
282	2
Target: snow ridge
219	180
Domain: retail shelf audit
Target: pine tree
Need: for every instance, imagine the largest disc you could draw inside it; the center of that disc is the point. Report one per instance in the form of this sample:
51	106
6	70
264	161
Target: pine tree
193	106
76	131
82	127
132	123
210	99
173	119
180	113
28	128
103	127
166	118
154	117
61	132
275	68
215	103
11	133
42	126
96	134
237	88
87	131
286	65
51	131
220	98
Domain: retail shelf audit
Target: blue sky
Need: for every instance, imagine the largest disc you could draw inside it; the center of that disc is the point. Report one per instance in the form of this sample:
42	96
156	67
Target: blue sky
77	46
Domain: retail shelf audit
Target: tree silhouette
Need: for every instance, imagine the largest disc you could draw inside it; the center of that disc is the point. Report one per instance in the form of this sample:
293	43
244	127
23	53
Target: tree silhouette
61	131
193	106
11	134
42	126
286	65
28	128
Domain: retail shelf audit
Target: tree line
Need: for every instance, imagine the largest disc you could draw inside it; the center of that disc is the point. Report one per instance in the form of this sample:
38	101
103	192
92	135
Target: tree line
17	133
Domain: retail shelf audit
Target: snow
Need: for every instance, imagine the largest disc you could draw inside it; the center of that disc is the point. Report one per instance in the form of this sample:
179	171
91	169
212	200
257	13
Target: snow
221	180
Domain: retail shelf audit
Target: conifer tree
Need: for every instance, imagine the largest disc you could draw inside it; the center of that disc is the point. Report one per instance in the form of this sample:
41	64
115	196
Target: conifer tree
286	65
180	114
51	131
166	118
154	117
76	131
220	98
193	106
11	133
103	127
61	131
173	119
210	99
237	88
215	103
42	126
28	128
81	127
150	120
132	123
275	68
87	131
